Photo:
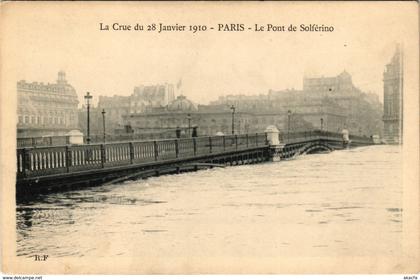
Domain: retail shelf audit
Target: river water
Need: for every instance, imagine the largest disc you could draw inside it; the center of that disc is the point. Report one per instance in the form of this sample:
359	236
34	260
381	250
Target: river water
342	203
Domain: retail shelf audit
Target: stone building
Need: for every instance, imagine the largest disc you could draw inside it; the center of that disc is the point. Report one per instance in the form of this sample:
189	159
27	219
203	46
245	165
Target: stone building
183	114
46	109
340	83
142	99
209	119
150	96
362	110
289	110
330	103
393	99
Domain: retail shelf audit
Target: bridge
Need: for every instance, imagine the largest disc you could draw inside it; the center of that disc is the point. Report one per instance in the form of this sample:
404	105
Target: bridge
51	168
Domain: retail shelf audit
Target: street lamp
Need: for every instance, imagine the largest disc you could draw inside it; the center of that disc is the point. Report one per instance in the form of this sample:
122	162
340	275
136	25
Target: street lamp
87	98
289	114
103	123
233	119
322	124
189	124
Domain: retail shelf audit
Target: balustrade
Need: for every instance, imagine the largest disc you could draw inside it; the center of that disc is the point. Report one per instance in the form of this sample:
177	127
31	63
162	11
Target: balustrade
39	161
185	147
117	154
85	157
167	149
143	152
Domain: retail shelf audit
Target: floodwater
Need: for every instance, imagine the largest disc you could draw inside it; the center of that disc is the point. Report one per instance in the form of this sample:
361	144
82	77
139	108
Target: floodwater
342	203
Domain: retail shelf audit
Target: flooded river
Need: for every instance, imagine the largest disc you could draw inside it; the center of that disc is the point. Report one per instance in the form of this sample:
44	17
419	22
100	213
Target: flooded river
316	205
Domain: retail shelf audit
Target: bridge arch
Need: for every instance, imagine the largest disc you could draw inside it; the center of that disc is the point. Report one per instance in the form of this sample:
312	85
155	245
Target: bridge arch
313	148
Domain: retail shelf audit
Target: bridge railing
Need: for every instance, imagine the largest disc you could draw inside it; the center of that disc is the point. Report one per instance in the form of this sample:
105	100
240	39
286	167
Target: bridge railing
301	136
41	161
361	139
42	141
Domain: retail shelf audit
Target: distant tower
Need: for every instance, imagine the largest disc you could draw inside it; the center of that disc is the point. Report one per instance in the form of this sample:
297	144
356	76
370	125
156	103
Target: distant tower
393	99
61	78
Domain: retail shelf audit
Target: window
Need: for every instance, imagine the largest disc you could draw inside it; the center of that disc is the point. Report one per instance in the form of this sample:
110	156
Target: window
26	119
20	119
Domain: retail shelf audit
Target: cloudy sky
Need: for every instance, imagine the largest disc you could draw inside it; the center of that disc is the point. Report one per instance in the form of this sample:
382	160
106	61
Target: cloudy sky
66	37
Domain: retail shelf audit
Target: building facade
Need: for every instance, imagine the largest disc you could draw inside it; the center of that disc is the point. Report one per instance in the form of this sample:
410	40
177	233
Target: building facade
46	109
142	99
330	103
340	83
151	96
325	103
213	119
393	99
362	110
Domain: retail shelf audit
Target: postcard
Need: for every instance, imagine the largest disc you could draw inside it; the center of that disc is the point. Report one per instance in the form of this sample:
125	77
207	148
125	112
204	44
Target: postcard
209	137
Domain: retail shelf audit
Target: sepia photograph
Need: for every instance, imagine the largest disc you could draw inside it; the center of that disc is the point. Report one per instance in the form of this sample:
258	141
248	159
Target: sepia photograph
209	138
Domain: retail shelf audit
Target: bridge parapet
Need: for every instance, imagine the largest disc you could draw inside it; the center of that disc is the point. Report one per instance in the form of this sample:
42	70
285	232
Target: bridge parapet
42	161
33	162
57	166
295	143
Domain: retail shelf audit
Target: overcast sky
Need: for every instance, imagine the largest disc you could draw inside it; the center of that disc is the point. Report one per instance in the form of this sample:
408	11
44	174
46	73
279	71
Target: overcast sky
210	63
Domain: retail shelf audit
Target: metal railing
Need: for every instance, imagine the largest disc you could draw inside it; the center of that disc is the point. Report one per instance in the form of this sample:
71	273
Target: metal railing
41	161
291	137
302	136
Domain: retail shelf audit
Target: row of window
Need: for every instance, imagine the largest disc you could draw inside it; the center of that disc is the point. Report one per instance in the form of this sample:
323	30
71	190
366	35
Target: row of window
43	120
40	87
50	113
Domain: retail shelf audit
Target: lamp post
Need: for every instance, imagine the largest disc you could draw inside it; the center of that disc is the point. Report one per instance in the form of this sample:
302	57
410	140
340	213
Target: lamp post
289	114
189	124
103	123
322	124
87	98
233	119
